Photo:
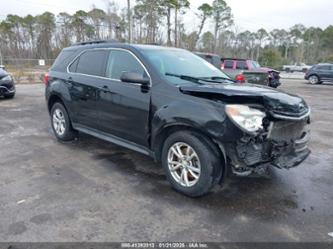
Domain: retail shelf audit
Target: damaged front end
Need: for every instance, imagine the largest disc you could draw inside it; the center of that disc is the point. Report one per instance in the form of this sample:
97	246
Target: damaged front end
273	125
281	143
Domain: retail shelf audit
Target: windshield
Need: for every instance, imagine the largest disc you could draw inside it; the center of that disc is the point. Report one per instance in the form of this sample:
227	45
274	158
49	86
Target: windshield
255	64
181	62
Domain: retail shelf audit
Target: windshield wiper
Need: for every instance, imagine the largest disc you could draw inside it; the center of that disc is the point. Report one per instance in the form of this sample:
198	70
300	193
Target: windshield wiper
221	78
198	79
186	77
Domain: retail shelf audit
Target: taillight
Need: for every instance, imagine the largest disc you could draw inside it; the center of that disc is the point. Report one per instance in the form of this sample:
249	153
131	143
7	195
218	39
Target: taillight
46	79
222	66
240	78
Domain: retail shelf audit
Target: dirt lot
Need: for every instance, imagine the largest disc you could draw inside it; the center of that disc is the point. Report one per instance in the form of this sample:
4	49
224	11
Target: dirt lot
90	190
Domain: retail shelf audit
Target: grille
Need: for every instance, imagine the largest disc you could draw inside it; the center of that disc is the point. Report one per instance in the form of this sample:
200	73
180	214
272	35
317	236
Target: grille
288	130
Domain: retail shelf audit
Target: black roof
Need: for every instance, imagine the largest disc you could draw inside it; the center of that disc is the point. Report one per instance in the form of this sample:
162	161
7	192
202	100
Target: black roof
94	42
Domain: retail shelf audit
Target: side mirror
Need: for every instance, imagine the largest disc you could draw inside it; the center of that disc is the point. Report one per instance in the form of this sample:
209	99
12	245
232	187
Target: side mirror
134	78
2	67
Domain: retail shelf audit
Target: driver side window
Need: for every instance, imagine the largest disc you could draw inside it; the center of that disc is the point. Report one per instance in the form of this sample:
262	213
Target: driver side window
122	61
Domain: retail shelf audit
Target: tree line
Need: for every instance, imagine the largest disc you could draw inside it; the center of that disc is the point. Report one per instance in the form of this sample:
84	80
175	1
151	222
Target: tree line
162	22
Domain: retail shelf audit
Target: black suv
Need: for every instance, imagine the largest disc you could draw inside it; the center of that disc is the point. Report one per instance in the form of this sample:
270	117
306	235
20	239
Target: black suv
175	107
320	73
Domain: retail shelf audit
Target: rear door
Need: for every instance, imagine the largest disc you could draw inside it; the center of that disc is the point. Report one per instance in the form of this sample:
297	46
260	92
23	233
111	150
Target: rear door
85	75
324	72
124	107
330	74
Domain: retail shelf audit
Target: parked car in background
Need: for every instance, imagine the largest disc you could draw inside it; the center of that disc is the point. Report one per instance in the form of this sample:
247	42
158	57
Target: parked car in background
297	67
7	86
175	107
213	59
320	73
256	74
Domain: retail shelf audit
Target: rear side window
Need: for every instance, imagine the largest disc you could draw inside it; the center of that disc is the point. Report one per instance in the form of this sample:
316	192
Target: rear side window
228	64
241	65
91	62
120	62
323	67
73	66
63	59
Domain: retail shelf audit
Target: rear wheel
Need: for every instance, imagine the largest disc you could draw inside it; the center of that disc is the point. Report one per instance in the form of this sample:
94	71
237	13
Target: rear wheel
191	164
61	124
314	79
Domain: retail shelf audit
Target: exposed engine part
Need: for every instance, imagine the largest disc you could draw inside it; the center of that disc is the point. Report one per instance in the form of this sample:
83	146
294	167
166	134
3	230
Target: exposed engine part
261	170
283	143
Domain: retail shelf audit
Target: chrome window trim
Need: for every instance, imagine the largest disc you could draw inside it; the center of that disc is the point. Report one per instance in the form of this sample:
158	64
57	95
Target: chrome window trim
106	78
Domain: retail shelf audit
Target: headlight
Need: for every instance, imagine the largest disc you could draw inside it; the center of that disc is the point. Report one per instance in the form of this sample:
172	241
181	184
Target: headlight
247	118
7	78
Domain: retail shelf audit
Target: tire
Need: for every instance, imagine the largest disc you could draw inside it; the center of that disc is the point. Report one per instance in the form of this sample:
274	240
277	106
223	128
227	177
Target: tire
10	96
61	124
314	79
202	172
288	70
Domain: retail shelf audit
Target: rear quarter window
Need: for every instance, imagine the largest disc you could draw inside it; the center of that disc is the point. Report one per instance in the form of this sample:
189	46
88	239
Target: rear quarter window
63	59
92	62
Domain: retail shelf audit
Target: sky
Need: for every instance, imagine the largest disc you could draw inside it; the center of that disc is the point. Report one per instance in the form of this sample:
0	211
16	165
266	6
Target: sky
248	14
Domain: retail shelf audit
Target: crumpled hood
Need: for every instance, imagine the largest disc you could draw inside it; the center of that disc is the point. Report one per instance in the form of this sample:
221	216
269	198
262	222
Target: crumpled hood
274	101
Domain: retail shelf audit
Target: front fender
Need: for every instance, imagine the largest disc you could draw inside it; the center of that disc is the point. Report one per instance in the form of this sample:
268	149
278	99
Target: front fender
205	115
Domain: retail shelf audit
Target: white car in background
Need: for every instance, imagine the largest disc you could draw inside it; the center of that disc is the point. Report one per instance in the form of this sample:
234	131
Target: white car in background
297	67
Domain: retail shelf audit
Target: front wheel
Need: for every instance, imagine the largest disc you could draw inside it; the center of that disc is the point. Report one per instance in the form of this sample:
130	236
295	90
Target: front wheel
313	79
192	165
61	124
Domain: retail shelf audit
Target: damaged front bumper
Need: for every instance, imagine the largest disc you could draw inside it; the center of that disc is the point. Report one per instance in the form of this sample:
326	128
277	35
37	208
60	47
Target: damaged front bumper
7	89
283	145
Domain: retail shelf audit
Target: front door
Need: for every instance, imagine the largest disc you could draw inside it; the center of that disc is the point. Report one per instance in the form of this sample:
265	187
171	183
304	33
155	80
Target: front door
124	107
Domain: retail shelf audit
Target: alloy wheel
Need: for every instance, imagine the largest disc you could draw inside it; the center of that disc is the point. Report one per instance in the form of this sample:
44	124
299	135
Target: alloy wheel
184	164
313	80
59	122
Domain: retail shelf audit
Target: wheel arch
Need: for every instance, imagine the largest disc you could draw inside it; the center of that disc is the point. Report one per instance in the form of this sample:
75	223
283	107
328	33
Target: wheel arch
314	74
54	98
164	133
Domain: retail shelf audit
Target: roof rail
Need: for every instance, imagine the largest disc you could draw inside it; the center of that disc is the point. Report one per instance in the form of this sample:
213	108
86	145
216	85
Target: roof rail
94	42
